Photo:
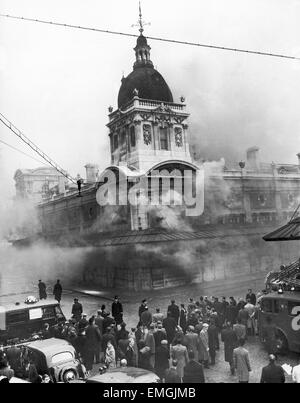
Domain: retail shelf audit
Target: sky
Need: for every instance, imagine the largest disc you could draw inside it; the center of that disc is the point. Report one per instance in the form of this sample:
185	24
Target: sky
56	84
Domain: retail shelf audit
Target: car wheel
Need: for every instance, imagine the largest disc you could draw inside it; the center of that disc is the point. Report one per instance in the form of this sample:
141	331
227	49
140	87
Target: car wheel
282	343
69	375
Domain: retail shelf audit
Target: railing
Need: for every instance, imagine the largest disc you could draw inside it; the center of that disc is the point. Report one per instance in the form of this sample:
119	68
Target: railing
147	104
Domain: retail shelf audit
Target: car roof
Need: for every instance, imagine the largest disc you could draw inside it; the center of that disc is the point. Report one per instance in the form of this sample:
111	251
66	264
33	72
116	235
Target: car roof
124	375
52	345
13	307
287	295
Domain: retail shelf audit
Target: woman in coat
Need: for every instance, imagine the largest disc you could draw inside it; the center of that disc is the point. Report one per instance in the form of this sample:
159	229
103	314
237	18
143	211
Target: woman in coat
179	352
203	345
110	356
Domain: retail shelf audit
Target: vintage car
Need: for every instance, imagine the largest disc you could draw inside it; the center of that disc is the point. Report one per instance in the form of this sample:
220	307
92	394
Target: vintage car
124	375
57	358
21	320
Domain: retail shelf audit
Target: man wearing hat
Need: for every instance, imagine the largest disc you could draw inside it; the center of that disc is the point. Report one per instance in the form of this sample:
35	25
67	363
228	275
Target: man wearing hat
272	373
77	310
42	290
117	310
142	307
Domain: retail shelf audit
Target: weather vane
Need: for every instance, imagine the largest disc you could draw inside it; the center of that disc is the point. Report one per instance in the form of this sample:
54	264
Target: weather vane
141	23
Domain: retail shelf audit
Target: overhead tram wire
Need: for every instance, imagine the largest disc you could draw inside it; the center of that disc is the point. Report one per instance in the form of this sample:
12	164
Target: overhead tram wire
22	152
203	45
34	147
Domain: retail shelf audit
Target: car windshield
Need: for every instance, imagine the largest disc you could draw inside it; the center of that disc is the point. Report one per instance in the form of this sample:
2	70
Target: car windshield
62	357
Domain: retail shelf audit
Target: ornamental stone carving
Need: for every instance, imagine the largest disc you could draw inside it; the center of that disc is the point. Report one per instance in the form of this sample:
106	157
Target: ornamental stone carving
147	134
178	137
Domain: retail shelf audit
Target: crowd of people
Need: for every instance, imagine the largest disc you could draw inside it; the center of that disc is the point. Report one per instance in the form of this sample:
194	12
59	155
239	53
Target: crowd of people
178	346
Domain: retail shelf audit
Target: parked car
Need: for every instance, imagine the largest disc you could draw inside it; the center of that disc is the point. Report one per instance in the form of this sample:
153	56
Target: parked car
55	357
124	375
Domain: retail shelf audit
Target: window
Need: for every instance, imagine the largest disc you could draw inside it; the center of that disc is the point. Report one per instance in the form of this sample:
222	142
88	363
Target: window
132	136
164	143
35	313
48	312
62	357
266	305
58	312
17	317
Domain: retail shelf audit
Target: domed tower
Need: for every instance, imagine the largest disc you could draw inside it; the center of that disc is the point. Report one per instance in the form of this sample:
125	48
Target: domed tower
148	127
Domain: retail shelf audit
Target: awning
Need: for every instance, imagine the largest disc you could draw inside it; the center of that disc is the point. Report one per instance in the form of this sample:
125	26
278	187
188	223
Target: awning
289	232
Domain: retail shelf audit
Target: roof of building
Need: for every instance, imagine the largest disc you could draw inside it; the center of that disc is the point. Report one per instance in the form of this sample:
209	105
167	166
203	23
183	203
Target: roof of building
149	83
288	232
162	235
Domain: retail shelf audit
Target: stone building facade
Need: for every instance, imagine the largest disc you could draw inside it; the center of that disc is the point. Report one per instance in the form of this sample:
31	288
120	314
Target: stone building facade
140	248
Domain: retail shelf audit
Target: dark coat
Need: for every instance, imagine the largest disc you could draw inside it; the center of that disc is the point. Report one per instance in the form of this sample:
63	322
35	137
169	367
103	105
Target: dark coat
272	373
142	308
93	337
108	321
162	357
171	376
42	290
77	310
117	311
57	291
182	319
252	298
213	338
146	318
193	373
80	346
231	313
230	343
174	309
170	325
130	357
159	335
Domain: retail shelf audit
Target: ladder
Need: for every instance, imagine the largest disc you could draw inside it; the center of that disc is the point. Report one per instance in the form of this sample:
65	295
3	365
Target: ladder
288	275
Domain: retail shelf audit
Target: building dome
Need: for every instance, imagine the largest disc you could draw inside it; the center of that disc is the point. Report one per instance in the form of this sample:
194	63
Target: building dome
149	83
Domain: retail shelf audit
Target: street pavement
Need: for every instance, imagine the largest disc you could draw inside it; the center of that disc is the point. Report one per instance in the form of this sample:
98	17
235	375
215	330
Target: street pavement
93	299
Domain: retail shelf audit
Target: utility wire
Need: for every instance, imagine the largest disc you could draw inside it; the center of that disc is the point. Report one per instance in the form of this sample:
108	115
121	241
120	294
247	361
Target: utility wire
270	54
34	147
22	152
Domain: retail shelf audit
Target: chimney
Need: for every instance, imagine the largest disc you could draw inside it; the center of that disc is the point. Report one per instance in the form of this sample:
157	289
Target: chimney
62	185
298	155
253	161
91	172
